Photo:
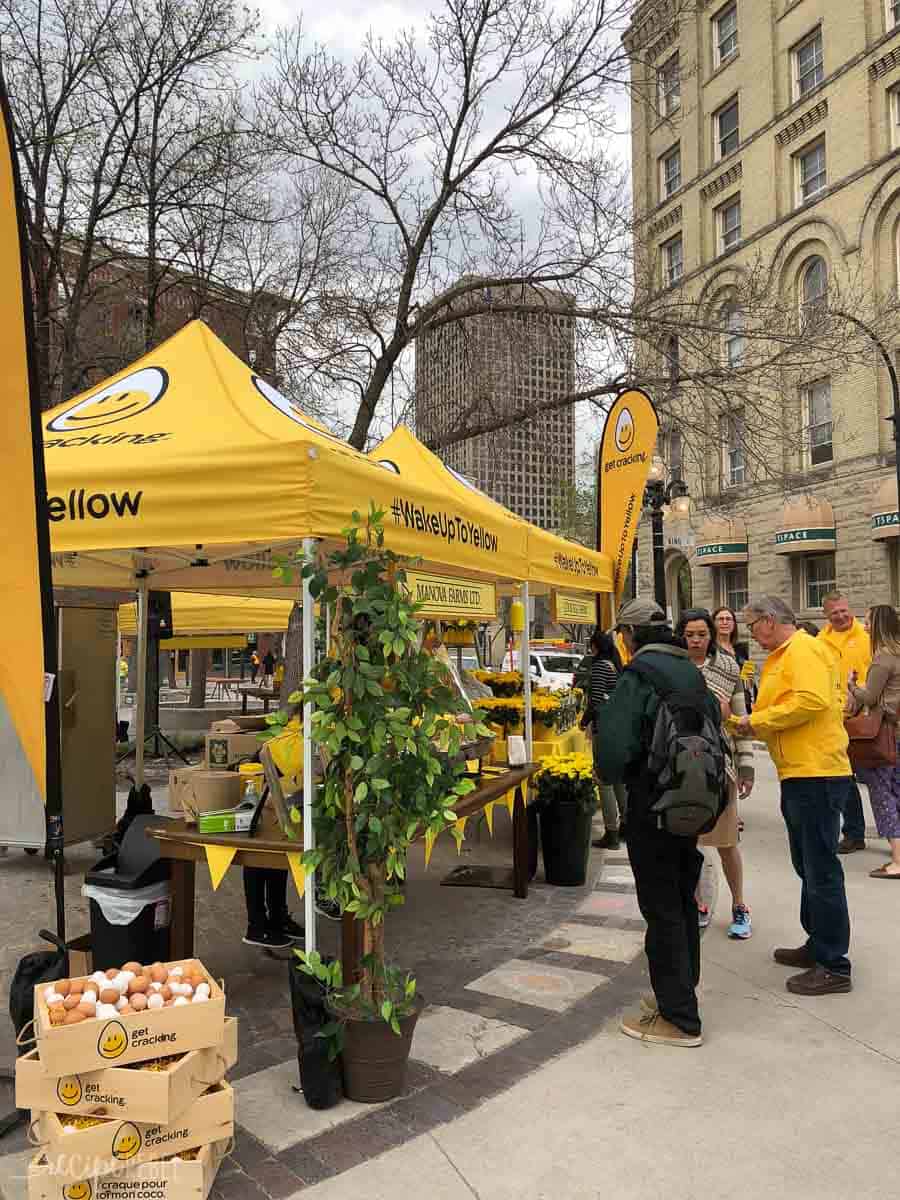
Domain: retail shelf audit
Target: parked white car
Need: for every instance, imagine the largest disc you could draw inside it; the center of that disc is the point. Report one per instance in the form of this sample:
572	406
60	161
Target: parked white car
553	669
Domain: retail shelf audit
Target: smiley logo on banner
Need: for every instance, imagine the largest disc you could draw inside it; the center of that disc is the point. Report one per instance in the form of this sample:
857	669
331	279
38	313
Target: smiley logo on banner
624	431
113	1041
290	410
117	401
78	1191
127	1142
68	1090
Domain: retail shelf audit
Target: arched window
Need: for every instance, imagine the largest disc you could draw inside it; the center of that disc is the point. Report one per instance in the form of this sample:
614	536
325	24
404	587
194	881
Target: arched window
733	325
813	288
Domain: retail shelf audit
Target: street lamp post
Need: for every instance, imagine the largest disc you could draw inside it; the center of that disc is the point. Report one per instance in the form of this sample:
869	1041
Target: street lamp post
658	495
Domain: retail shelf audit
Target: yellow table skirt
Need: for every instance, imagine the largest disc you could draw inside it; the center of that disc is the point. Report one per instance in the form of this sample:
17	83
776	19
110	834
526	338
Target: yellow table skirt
573	741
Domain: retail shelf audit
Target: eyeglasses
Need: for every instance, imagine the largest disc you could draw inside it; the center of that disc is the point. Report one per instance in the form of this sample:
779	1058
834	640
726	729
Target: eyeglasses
750	624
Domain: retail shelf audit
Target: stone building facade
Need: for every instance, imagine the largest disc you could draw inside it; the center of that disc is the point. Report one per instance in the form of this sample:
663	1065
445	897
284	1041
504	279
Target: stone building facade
767	132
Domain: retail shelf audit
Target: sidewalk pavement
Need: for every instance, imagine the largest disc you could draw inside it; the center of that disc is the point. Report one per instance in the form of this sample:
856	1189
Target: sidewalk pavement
788	1095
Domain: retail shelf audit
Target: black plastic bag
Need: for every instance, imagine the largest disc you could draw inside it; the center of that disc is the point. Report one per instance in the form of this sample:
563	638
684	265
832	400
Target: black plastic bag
320	1079
139	804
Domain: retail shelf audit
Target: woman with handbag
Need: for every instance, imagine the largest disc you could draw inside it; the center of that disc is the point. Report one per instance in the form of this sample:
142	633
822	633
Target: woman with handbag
881	695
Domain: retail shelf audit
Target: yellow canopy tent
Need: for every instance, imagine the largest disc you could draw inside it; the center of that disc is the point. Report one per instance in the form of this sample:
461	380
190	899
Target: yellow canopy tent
552	561
201	612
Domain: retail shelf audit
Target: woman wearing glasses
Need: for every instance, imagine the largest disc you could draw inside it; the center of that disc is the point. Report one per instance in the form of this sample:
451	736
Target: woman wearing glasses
723	678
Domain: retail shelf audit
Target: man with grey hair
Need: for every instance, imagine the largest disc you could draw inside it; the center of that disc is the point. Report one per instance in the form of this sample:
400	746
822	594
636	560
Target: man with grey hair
799	715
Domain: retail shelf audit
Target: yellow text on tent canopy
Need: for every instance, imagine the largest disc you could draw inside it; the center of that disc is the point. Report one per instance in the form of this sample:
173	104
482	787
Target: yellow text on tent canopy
442	596
623	464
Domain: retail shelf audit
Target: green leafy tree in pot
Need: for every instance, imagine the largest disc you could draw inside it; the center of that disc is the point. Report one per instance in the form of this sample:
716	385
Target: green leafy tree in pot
385	712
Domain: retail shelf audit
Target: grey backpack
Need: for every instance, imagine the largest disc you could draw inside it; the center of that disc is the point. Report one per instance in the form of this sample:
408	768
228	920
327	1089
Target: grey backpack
686	758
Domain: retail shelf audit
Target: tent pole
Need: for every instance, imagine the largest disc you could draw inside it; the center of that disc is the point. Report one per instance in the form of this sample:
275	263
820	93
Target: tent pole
141	701
309	841
525	662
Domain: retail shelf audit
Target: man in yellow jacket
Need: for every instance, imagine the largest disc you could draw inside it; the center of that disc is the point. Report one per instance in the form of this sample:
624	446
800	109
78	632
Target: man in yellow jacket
799	715
850	642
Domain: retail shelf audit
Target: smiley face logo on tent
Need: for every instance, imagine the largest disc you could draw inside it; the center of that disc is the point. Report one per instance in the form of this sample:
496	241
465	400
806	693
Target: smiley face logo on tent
127	1142
113	1041
68	1090
78	1191
292	411
120	401
624	431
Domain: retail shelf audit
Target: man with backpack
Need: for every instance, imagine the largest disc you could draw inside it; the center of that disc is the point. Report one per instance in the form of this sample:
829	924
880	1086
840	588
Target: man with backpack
661	733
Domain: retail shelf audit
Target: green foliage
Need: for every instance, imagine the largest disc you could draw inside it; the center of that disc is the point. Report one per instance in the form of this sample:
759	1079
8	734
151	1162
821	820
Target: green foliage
383	710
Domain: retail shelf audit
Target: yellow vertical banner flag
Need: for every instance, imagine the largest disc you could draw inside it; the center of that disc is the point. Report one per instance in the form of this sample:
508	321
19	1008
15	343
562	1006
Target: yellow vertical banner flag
430	839
298	871
27	640
623	464
219	859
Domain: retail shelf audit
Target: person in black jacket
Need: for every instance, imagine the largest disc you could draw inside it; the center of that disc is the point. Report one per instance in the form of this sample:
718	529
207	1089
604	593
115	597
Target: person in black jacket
666	866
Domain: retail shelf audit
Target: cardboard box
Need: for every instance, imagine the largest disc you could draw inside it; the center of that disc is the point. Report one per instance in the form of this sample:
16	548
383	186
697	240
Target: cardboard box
100	1043
225	749
80	1154
195	790
170	1179
228	820
155	1096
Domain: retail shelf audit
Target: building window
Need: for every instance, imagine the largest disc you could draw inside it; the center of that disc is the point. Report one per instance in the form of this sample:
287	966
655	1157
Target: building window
733	320
809	68
726	34
735	588
734	459
671	172
728	224
670	86
813	290
894	114
811	173
673	260
820	578
893	14
817	412
728	136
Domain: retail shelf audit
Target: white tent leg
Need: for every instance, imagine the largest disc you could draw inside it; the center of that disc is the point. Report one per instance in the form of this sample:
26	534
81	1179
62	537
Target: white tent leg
309	841
525	661
141	702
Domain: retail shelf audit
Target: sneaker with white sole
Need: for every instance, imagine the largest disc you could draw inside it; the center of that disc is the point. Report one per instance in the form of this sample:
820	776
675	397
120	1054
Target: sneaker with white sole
704	916
656	1030
741	927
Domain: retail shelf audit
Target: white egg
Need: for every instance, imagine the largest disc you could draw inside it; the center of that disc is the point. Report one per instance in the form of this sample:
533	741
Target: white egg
121	981
52	996
179	1000
155	1001
127	976
199	997
106	1011
89	995
202	990
121	1003
156	987
176	971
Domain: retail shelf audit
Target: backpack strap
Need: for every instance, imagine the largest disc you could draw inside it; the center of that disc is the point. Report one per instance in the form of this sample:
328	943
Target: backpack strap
661	684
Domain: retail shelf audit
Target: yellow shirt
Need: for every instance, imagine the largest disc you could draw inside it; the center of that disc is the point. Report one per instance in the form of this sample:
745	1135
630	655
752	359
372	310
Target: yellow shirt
799	710
853	648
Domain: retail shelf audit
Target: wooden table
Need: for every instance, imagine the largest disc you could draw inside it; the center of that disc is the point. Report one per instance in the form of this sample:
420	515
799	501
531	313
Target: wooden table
225	685
267	695
185	847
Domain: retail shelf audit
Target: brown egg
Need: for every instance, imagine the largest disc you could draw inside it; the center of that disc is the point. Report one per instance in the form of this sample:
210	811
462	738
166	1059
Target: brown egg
88	1008
158	973
138	985
57	1015
72	1001
109	995
76	987
133	966
166	994
138	1002
62	987
195	980
112	973
123	1012
73	1017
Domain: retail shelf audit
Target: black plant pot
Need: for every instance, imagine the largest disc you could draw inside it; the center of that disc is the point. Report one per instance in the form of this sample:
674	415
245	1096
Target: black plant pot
565	842
320	1079
374	1058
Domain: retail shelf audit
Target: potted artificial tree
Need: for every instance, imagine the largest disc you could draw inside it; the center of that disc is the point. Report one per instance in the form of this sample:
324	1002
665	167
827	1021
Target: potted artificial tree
385	715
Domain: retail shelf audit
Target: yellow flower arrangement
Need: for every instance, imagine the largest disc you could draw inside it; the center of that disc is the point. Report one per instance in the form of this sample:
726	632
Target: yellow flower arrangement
567	777
502	683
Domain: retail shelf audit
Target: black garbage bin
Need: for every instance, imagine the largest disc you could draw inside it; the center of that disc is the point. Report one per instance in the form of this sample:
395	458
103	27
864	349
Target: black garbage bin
565	842
130	901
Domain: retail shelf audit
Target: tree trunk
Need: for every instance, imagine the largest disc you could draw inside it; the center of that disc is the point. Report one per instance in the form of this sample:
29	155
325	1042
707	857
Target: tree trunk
293	655
199	667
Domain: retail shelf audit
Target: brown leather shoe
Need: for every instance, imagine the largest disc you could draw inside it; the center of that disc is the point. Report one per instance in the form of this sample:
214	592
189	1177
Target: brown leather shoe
850	845
819	982
801	957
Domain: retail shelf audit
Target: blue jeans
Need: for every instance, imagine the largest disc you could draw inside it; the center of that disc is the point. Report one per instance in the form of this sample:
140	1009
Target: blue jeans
854	818
812	810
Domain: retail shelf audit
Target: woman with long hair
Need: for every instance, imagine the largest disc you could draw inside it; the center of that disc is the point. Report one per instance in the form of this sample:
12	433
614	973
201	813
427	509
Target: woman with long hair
723	678
726	626
882	689
606	666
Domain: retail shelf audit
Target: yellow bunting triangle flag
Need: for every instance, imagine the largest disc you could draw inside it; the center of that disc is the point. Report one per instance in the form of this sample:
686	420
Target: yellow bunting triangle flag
430	838
219	860
510	799
299	873
489	816
459	833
